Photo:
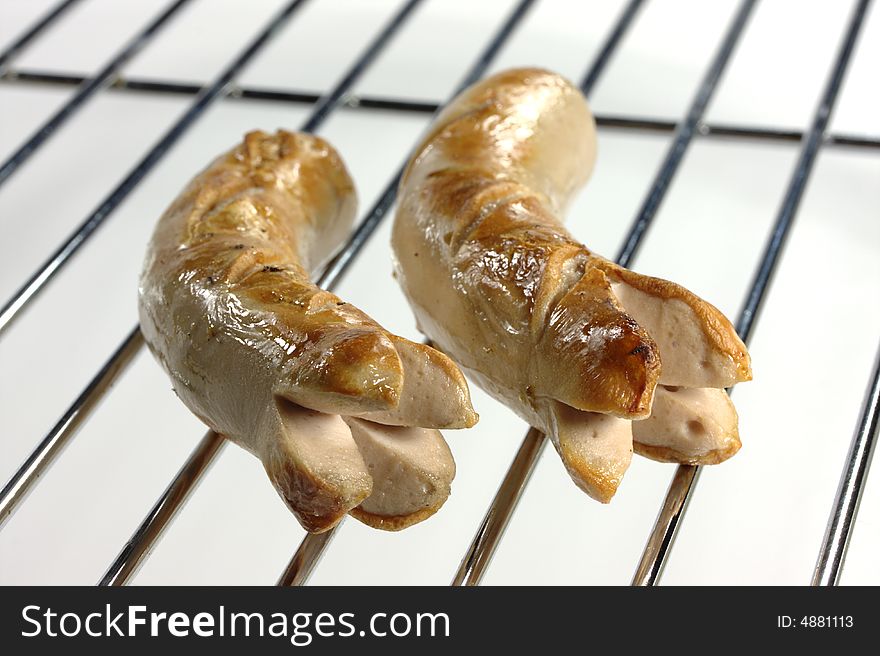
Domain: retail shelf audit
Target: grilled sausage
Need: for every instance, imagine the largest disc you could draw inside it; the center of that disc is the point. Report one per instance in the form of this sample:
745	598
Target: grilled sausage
265	357
549	328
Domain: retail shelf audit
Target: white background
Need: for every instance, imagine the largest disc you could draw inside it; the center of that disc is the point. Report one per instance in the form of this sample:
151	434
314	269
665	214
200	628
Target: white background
758	518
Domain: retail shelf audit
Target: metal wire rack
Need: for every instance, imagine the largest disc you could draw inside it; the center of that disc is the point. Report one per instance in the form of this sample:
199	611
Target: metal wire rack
513	486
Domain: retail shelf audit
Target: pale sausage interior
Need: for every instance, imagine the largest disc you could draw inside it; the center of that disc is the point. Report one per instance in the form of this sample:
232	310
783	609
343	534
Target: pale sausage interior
434	393
688	357
315	466
596	449
412	470
689	425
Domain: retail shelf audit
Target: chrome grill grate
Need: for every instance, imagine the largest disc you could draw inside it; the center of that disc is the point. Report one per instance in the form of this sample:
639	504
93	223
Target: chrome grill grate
480	552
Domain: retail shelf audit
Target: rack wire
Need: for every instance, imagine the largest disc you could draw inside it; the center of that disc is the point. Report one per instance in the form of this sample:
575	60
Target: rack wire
514	484
680	490
37	29
354	101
